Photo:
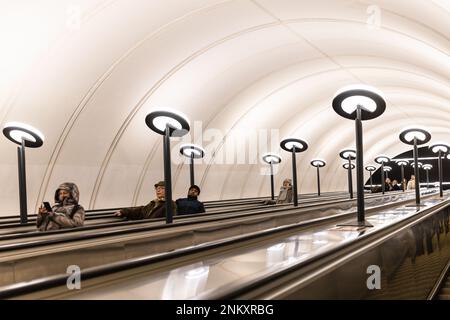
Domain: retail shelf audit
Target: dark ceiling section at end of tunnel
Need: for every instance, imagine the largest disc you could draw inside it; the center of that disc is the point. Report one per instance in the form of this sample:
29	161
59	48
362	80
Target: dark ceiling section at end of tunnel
409	170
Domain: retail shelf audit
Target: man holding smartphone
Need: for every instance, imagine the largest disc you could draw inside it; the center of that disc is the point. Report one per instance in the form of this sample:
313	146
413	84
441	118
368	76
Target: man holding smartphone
66	213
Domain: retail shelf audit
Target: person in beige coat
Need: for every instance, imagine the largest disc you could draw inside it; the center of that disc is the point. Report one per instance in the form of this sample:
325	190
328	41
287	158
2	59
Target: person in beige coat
66	213
411	183
285	195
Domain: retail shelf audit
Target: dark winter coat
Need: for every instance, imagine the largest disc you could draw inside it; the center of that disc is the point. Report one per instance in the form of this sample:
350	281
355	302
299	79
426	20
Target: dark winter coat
189	205
155	209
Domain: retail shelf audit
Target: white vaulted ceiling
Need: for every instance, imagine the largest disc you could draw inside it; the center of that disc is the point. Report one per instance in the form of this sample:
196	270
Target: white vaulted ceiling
87	72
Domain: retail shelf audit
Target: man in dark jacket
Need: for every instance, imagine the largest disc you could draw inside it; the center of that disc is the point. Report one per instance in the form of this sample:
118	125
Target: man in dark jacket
155	209
190	205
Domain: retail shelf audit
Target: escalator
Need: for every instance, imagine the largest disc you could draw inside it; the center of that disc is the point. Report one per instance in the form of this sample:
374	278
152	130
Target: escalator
314	261
444	294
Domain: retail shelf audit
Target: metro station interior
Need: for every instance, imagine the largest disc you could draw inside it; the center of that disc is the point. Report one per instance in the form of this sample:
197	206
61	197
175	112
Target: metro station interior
225	149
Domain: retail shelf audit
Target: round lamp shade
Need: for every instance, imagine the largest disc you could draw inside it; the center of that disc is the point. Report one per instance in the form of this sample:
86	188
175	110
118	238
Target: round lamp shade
178	123
440	146
382	159
348	98
402	163
16	131
192	151
271	158
422	135
318	163
427	166
387	168
294	144
345	154
371	168
419	164
345	166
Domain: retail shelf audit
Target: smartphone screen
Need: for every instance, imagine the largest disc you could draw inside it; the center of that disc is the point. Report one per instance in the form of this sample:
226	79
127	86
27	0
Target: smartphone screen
48	207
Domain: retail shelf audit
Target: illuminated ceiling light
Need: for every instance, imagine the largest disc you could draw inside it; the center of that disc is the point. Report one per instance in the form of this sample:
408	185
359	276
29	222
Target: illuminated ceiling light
294	146
346	165
347	100
408	135
17	131
382	159
192	152
415	136
25	136
402	164
440	148
371	169
349	154
427	168
318	163
271	159
159	120
359	102
168	123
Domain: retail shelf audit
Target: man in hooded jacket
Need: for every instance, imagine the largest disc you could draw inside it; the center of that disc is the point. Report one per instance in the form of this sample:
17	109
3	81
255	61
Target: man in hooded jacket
66	213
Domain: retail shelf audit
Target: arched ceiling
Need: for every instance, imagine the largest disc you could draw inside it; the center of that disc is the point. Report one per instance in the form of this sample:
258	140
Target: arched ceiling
87	72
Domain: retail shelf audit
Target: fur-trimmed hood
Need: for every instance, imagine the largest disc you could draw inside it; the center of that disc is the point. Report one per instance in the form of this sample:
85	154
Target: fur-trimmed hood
74	193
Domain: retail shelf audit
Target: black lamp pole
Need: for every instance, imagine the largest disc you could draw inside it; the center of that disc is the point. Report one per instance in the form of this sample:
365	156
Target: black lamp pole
157	121
349	177
441	193
26	137
318	181
415	136
371	181
22	183
270	159
359	166
192	169
167	175
403	176
382	178
272	192
362	94
294	177
416	171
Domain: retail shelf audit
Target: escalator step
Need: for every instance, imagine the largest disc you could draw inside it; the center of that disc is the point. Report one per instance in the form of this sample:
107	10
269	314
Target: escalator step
445	291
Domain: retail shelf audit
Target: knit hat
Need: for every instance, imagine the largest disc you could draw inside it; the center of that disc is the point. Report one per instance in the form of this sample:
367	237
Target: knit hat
195	187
